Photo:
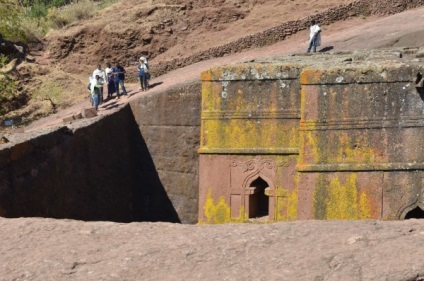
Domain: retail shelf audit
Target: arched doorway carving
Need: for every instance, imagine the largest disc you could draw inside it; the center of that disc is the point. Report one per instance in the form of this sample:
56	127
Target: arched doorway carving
259	195
415	211
253	188
258	198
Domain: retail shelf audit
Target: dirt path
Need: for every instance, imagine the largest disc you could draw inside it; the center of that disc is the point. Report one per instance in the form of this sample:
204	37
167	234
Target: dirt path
361	33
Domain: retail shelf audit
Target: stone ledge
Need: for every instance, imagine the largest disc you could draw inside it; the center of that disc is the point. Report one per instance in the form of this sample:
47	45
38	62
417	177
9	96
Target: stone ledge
359	167
279	151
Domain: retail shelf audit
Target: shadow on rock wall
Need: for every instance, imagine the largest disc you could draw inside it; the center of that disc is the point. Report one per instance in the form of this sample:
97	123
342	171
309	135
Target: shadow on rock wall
99	172
154	204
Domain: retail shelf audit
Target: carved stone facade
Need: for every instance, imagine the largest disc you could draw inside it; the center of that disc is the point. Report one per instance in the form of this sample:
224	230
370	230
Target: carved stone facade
304	139
245	194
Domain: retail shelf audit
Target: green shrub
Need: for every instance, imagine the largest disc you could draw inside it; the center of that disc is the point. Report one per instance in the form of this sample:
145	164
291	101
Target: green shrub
60	17
44	15
34	28
10	19
7	85
39	8
51	92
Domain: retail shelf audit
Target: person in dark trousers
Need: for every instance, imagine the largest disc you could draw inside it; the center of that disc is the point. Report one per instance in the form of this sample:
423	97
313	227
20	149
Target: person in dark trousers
143	69
118	72
143	58
101	73
110	81
95	88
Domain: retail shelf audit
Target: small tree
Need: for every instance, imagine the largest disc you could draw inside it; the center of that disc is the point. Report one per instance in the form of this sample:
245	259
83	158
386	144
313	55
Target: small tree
7	85
10	21
51	92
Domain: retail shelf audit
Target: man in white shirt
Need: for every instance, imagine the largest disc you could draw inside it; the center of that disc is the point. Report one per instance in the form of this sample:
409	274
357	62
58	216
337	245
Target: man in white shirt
96	84
314	36
109	81
99	72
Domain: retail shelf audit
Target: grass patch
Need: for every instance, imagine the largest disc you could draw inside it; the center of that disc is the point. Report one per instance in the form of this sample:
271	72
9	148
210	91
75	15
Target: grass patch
39	20
50	92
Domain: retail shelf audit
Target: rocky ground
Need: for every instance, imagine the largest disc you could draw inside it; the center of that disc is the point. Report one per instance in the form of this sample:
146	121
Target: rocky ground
46	249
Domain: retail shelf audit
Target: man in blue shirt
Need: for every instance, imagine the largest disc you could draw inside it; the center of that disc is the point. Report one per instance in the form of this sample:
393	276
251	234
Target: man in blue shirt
118	73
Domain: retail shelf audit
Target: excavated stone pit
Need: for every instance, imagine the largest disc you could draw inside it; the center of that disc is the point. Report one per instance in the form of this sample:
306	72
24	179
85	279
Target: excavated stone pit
142	162
138	164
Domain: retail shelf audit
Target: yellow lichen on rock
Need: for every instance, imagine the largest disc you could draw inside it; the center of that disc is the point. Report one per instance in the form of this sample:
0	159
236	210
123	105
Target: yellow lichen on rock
286	205
343	202
354	153
220	212
310	76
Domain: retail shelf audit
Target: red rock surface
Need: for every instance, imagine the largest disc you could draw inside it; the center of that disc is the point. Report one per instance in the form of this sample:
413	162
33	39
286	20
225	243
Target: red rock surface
46	249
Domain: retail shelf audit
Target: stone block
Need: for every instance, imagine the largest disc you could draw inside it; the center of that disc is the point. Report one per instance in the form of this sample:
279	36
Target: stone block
71	118
89	112
420	53
68	119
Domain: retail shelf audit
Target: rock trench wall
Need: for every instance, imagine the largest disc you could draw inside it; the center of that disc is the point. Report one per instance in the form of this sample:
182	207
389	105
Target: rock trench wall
138	164
170	126
332	136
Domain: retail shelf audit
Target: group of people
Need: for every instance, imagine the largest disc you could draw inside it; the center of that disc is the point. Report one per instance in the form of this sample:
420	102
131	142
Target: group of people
114	78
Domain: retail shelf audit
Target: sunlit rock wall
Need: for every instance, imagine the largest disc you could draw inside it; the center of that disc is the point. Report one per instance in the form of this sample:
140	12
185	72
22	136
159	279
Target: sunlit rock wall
170	125
361	149
247	112
312	137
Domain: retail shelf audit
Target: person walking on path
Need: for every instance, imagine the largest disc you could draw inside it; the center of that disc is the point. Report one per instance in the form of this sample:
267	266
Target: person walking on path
99	72
148	72
118	72
314	36
143	69
110	81
95	88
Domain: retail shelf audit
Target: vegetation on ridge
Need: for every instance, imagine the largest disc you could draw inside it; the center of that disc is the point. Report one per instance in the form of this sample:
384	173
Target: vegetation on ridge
30	20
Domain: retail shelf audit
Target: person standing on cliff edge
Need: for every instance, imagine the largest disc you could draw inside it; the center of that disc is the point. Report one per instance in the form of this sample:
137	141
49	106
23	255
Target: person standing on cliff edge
118	73
314	36
100	72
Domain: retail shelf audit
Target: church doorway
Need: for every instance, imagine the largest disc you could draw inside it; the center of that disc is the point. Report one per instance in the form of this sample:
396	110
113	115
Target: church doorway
258	200
416	213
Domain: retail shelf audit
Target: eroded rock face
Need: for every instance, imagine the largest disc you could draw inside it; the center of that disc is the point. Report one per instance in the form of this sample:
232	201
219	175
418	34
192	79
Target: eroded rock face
138	32
148	30
43	249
